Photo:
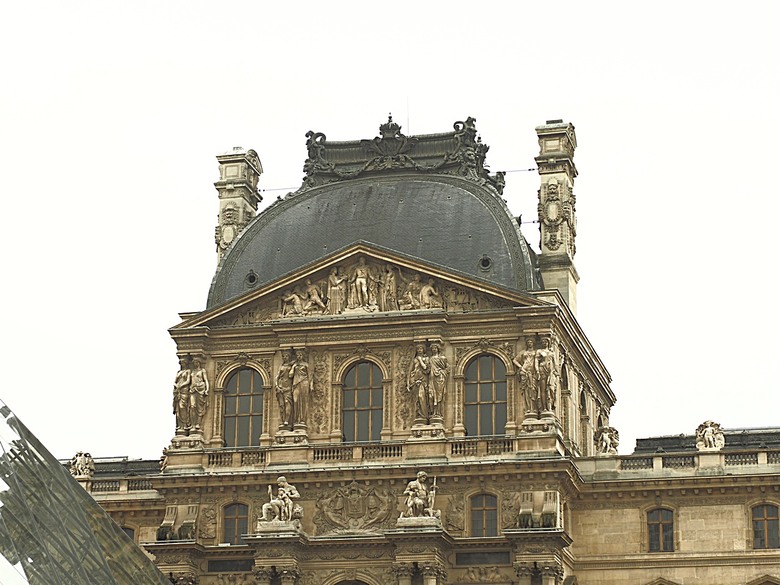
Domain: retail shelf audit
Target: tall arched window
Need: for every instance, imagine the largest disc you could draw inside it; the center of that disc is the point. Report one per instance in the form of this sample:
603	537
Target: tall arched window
484	515
485	400
660	530
361	405
243	409
765	527
235	522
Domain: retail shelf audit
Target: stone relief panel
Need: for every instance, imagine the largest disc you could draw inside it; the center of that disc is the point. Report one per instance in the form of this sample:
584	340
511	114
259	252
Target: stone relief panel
355	508
709	436
320	396
404	411
365	286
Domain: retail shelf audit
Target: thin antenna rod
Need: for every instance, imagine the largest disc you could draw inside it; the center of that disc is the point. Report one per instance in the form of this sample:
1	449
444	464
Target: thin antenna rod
408	126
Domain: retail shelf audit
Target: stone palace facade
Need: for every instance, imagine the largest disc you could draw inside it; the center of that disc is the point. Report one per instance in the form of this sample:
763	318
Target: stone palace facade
389	386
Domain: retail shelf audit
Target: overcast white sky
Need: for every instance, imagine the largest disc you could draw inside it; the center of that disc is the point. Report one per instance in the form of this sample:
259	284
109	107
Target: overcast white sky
112	112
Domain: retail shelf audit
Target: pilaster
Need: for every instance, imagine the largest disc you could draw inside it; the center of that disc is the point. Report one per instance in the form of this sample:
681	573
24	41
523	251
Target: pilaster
557	217
239	171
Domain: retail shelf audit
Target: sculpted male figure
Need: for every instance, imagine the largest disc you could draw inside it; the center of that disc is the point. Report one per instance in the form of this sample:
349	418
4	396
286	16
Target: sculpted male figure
281	506
359	280
313	297
528	377
181	395
199	393
419	497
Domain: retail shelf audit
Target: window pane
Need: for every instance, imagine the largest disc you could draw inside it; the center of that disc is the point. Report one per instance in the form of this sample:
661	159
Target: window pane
491	523
476	523
486	392
500	390
499	371
471	392
362	398
230	431
485	367
362	425
376	397
230	386
486	419
470	415
668	534
230	404
244	403
376	424
242	438
349	399
348	426
230	530
499	427
471	371
244	381
654	536
362	375
257	429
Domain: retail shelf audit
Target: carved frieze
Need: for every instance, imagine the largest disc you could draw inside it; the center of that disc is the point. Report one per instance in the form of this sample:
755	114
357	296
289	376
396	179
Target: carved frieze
404	412
355	508
320	393
364	286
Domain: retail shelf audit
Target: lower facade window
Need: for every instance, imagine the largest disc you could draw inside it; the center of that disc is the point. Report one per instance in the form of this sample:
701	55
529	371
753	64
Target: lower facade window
660	530
484	515
765	527
235	522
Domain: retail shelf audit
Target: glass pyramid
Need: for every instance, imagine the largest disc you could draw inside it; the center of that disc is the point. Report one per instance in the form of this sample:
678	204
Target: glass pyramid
51	530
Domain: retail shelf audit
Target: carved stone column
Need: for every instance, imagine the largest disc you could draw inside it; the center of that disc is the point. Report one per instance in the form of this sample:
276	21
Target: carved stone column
524	572
263	575
433	573
289	575
403	573
552	573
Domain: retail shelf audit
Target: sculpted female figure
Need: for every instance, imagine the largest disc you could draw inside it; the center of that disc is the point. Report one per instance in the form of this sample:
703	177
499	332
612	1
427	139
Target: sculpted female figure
284	394
525	361
548	373
199	394
440	371
299	374
388	290
181	395
335	293
417	384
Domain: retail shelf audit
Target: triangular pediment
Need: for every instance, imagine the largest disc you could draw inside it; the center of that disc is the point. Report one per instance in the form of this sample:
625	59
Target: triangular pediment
359	280
764	580
662	581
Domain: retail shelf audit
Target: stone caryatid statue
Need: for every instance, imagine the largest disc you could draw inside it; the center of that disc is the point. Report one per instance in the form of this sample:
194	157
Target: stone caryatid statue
528	379
709	436
301	388
81	465
199	394
284	393
548	375
181	396
437	381
606	440
420	498
281	507
418	384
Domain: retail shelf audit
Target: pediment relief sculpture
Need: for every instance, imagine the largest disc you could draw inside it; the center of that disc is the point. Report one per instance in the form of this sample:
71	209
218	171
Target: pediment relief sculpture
362	286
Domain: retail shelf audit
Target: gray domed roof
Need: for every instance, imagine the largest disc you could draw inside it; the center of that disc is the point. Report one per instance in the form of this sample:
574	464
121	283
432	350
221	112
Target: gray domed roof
455	222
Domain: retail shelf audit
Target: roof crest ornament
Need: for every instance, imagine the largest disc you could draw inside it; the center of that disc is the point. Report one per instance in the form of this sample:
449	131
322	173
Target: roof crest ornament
460	153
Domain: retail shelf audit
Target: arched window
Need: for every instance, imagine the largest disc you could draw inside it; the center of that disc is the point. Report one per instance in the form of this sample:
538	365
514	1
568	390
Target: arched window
243	409
485	400
129	531
765	527
660	530
361	405
484	515
235	522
